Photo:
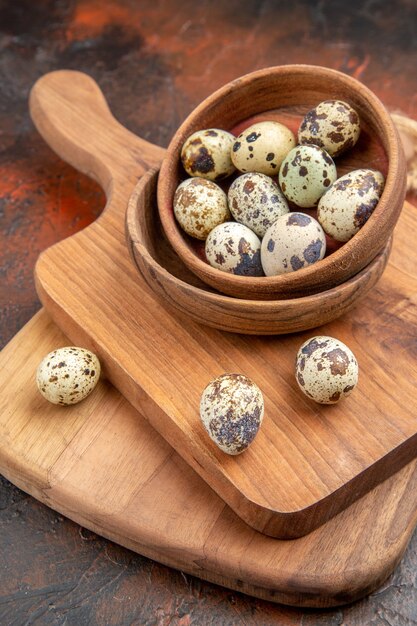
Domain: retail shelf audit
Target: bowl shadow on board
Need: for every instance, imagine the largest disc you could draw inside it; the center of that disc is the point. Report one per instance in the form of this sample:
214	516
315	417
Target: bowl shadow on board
181	290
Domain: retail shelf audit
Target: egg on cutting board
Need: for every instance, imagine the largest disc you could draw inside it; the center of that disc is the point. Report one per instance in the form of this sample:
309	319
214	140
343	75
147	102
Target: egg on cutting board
231	410
326	370
68	375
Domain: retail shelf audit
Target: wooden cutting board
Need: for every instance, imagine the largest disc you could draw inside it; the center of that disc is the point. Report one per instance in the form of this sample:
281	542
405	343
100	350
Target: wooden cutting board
101	464
307	462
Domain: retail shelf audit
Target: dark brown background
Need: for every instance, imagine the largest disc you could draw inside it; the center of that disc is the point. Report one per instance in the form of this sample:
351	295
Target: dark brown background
155	60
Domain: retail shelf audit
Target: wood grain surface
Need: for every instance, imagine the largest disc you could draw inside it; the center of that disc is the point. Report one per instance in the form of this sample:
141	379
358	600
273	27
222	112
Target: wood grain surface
101	464
155	61
180	289
308	462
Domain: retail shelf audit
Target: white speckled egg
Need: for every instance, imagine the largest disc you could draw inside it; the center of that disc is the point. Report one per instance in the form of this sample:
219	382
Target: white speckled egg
326	369
305	174
199	206
332	125
68	375
293	241
233	247
232	409
256	201
206	153
262	147
349	202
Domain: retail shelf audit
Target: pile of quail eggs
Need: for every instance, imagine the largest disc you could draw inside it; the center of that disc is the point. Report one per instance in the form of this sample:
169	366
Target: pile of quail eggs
252	230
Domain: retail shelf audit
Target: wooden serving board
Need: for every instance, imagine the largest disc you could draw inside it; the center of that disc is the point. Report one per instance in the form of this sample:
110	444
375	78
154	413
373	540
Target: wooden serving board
101	464
307	462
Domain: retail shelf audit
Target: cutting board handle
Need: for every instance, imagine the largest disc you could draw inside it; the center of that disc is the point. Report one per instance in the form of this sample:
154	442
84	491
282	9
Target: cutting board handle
72	115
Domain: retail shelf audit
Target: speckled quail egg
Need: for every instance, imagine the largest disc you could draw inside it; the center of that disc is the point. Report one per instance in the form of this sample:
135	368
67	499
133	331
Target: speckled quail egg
231	410
262	147
199	206
68	375
332	125
326	369
206	153
349	203
234	248
256	201
305	174
293	241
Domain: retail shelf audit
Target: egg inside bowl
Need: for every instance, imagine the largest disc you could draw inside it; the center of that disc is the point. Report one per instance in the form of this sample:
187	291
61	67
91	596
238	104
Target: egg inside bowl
285	94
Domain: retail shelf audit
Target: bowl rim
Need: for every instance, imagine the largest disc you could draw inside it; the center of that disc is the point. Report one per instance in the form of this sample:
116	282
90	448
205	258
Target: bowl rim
340	261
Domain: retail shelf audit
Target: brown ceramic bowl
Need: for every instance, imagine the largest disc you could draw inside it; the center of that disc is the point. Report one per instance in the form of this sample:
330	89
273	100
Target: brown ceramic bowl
285	94
183	291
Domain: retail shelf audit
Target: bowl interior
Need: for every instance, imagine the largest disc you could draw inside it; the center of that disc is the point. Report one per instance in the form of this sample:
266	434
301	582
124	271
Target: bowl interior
285	94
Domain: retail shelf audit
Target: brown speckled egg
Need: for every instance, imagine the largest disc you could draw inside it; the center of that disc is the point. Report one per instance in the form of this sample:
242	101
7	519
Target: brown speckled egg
262	147
68	375
206	153
293	241
256	201
231	410
326	369
233	247
199	206
349	202
332	125
305	174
